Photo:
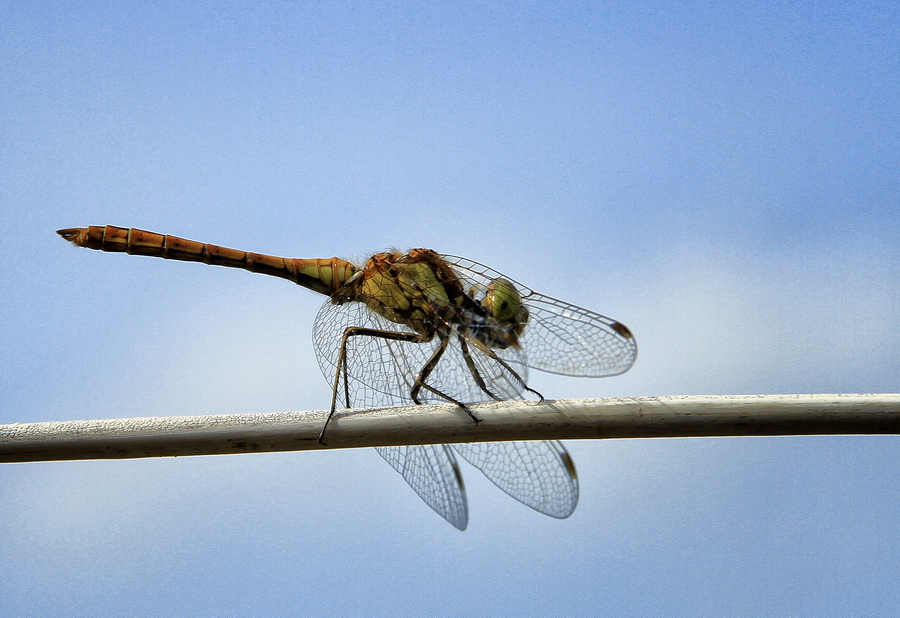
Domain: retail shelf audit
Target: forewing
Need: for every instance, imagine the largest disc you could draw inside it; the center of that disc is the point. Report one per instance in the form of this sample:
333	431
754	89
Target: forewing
566	339
560	337
432	471
538	474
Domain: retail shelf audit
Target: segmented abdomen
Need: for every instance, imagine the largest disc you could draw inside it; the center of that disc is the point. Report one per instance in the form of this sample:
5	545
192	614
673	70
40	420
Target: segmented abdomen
320	275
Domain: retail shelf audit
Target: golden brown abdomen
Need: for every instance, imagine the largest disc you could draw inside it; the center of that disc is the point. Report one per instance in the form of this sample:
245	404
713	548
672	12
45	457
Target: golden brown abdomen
320	275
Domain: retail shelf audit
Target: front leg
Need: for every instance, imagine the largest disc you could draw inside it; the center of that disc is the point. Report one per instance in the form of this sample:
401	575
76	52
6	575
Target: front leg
493	355
426	371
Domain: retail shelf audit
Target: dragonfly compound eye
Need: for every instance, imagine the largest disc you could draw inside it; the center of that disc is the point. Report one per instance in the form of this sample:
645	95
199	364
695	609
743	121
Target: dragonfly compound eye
502	300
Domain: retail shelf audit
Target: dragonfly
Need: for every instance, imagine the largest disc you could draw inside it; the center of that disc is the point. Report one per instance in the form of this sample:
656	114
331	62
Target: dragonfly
422	327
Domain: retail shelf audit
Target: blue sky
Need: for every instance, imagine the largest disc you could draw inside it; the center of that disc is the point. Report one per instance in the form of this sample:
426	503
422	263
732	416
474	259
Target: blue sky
721	178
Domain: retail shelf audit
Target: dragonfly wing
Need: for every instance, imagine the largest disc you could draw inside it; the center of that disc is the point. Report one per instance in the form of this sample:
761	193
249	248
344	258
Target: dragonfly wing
538	474
380	372
560	337
432	471
566	339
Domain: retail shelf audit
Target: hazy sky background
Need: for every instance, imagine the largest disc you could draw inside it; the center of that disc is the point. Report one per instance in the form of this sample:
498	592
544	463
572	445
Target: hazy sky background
721	177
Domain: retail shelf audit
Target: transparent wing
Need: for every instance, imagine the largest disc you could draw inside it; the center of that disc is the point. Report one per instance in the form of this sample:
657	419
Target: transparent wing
560	337
433	473
538	474
382	372
566	339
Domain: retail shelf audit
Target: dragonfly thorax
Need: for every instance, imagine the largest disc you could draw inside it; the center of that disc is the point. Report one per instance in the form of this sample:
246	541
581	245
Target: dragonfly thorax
422	291
402	288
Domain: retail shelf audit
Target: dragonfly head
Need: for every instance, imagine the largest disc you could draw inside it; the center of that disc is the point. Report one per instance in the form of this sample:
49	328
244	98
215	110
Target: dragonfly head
501	300
507	315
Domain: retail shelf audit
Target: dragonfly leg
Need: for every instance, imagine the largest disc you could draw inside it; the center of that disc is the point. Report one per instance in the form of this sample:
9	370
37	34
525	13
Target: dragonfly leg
473	370
426	371
342	364
501	362
455	402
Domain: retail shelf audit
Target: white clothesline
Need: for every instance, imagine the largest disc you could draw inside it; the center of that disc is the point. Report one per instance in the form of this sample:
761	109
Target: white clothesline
621	417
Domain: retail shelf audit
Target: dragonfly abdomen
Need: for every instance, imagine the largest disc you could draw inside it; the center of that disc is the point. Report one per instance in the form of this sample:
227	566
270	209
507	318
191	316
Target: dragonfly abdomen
320	275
